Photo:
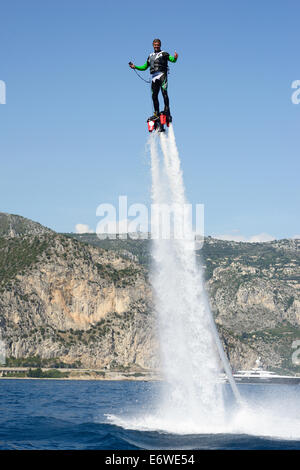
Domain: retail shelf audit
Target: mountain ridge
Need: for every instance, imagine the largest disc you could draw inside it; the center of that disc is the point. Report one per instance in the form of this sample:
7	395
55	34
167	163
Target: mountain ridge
12	225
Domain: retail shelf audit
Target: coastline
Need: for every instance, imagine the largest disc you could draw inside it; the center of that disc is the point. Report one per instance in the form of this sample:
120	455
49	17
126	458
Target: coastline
27	373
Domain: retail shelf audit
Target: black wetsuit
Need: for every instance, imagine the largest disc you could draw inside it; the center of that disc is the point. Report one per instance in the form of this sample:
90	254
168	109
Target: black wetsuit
158	63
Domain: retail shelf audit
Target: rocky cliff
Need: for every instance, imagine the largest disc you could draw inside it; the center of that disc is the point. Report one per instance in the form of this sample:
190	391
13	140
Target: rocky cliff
89	301
62	300
254	294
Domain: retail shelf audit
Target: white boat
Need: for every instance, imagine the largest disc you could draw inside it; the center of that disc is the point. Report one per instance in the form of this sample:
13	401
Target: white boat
259	375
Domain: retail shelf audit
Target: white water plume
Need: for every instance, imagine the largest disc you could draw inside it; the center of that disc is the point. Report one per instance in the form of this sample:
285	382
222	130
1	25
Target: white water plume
172	162
189	352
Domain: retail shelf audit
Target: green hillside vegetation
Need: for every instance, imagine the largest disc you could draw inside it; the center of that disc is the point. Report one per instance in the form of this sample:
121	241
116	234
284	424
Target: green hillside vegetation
139	247
214	253
18	254
261	256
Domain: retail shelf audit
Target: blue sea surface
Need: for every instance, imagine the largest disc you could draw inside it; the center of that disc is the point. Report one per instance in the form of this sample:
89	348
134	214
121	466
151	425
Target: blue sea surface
68	414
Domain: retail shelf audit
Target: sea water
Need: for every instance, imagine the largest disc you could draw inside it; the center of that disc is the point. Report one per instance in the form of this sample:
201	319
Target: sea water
70	414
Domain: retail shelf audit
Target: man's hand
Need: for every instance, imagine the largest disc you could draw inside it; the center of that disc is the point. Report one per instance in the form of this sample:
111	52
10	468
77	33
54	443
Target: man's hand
175	55
131	65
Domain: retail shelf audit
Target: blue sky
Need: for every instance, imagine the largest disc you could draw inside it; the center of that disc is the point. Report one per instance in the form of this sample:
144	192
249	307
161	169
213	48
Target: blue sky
73	130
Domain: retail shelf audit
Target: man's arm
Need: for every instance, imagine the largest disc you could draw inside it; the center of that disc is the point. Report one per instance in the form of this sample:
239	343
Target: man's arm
141	67
173	58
